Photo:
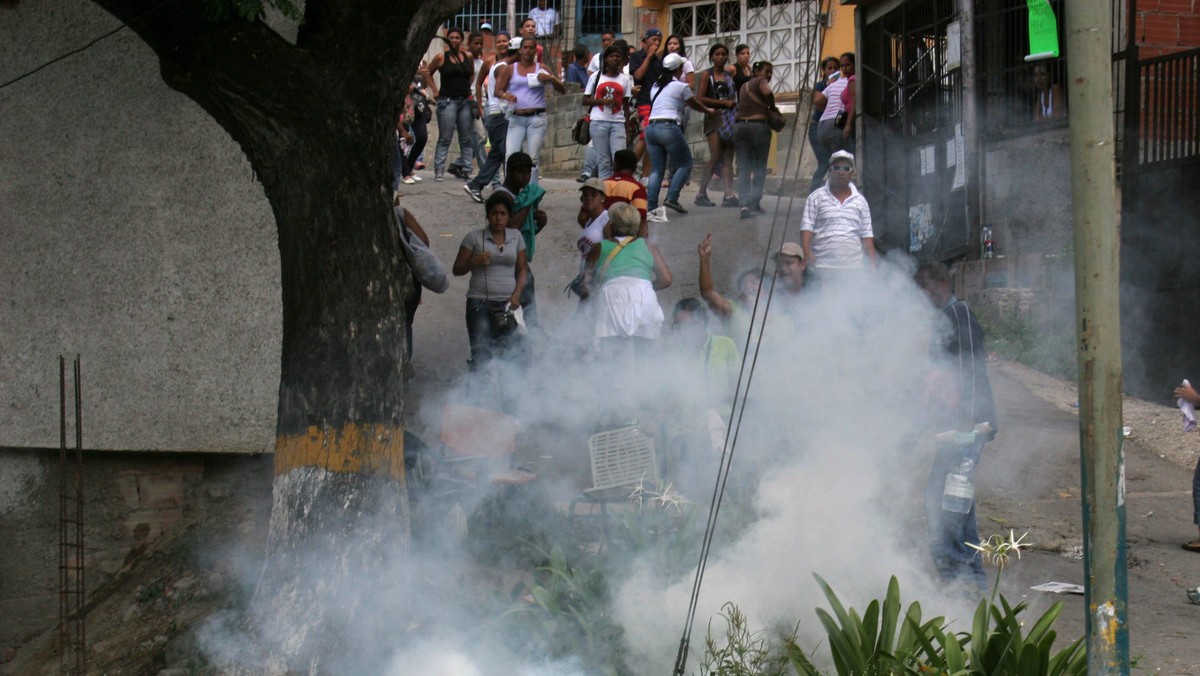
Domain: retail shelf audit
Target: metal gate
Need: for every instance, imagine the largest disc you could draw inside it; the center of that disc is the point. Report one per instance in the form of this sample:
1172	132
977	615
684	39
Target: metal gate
912	165
779	31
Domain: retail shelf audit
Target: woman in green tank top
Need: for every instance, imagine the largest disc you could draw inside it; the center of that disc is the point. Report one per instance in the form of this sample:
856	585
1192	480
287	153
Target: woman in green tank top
626	270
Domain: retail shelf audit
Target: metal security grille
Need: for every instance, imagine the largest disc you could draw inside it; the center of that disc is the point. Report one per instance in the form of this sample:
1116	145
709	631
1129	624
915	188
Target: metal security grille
71	595
598	16
475	12
779	31
1006	82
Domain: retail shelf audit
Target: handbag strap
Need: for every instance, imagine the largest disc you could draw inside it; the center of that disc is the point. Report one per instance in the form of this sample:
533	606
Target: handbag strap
613	254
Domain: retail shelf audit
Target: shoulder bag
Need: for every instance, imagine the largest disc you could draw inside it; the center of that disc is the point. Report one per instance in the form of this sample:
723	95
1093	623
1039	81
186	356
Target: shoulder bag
775	119
426	268
581	131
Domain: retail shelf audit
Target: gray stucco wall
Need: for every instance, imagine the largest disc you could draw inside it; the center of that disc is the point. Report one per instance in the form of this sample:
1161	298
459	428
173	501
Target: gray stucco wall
133	233
1027	191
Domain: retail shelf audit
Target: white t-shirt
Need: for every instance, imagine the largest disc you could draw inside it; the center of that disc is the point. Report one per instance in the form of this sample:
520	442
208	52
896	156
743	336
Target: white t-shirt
834	94
618	87
591	235
595	63
688	67
546	20
669	104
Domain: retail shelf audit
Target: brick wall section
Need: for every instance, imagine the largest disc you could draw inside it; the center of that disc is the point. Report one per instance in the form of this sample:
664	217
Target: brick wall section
1167	26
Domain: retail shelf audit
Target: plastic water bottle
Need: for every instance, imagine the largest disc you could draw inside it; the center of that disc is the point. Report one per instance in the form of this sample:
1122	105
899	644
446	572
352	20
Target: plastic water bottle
959	492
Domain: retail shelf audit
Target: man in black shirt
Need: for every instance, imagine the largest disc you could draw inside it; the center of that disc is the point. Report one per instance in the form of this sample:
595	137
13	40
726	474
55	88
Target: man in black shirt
645	65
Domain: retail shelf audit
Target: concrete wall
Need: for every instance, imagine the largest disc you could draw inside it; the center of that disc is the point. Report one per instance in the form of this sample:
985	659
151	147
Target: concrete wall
130	502
133	233
1027	191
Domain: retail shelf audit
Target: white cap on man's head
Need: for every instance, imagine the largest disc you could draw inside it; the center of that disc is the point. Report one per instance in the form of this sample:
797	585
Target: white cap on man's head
842	155
485	26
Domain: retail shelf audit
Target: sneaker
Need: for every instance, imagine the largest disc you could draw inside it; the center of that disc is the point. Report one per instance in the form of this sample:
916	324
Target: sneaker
416	179
730	201
438	178
658	215
582	177
419	166
674	206
746	213
703	201
455	171
409	180
474	192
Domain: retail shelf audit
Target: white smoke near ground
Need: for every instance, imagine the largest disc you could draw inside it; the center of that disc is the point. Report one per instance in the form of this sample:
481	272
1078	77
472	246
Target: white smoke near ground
823	463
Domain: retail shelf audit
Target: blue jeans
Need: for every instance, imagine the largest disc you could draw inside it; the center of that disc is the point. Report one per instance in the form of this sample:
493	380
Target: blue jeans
665	141
819	154
608	138
950	531
589	160
497	131
752	143
453	115
529	130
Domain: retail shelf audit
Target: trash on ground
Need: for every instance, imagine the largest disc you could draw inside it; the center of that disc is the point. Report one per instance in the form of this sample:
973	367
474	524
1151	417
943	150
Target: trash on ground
1059	588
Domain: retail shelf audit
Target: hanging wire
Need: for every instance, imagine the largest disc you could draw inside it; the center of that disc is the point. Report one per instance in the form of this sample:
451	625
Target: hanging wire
85	47
740	394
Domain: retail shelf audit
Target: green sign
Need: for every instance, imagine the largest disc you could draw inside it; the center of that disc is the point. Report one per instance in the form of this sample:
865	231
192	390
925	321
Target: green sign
1043	31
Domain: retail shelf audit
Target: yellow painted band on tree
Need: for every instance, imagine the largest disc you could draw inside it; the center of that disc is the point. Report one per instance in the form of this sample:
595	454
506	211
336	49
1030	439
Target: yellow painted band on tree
352	449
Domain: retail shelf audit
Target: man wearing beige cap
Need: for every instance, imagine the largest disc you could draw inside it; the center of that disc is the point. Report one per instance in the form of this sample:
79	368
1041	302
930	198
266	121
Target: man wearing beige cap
835	228
593	217
789	268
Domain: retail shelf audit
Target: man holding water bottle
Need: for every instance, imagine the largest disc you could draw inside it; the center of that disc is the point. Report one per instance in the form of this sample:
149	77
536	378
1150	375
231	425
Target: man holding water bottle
960	403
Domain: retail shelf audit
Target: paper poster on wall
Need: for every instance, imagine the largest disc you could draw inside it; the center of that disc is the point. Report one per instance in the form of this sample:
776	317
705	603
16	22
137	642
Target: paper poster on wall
951	153
920	226
953	45
1043	31
928	160
960	166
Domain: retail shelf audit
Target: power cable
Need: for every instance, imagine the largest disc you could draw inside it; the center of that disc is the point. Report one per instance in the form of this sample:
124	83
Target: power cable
89	45
734	426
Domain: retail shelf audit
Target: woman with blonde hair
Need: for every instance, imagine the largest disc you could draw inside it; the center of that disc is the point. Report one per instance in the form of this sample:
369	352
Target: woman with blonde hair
627	270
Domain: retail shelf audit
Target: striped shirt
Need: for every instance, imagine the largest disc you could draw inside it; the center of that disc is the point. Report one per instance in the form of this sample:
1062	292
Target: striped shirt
625	188
838	228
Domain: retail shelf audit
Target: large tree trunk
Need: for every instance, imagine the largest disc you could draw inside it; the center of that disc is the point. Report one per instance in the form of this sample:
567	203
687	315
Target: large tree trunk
315	120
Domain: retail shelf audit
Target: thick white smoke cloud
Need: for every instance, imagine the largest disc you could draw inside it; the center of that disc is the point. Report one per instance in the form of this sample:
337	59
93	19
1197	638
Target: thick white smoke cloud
821	460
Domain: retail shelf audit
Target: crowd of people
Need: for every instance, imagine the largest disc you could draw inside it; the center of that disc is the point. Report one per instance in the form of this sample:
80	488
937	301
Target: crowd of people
638	102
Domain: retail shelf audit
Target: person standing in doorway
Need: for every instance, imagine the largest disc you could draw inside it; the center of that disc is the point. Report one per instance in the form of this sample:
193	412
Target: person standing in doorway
524	86
835	130
829	73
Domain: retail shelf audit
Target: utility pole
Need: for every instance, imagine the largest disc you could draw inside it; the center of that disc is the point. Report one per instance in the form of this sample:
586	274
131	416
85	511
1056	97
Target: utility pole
1098	332
512	18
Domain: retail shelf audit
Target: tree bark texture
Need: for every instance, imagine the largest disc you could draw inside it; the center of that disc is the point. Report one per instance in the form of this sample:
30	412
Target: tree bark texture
315	120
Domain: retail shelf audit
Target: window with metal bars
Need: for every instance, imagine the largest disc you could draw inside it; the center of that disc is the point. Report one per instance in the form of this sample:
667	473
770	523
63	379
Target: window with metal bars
912	90
1014	93
599	16
476	12
711	18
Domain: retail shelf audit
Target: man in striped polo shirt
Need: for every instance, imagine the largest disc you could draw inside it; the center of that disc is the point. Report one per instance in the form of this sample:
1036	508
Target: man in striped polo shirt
835	229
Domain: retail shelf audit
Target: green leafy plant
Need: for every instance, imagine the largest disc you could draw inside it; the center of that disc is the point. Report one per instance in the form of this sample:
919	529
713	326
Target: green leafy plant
743	652
881	642
565	613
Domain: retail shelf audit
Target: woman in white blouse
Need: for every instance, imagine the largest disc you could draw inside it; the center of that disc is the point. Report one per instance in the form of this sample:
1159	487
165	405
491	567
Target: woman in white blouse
664	136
